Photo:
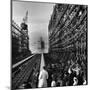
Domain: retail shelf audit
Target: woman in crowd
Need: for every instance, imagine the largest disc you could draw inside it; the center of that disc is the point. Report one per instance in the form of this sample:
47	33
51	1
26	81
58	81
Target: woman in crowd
75	81
53	83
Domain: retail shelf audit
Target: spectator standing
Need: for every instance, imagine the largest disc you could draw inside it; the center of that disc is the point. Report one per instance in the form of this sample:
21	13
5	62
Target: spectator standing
43	78
75	81
53	83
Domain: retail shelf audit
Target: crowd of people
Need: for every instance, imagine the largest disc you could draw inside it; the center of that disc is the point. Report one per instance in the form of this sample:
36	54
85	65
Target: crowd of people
57	75
71	75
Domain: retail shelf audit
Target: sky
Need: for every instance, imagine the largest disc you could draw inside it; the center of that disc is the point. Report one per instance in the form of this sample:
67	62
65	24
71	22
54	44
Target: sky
39	14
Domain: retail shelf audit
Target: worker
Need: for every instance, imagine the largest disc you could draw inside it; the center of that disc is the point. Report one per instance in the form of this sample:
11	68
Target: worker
43	76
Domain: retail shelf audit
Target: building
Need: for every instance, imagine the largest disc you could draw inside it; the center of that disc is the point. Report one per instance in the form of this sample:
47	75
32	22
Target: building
68	28
68	34
25	37
20	41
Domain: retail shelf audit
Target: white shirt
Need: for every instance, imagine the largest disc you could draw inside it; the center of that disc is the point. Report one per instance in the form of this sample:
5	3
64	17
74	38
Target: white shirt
43	74
84	83
43	78
75	81
53	84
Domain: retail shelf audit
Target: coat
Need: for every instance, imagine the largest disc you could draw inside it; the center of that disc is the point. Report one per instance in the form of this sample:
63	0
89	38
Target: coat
43	78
